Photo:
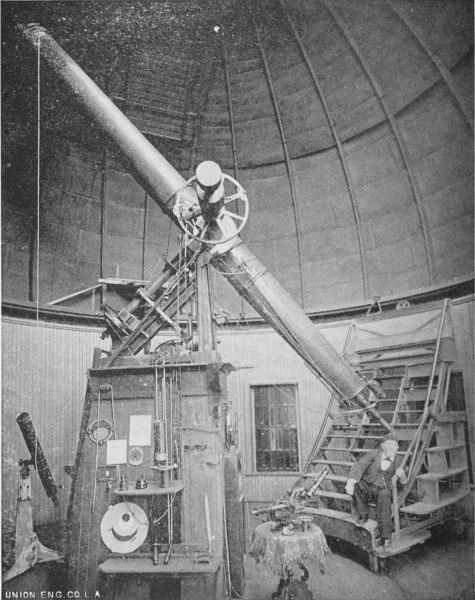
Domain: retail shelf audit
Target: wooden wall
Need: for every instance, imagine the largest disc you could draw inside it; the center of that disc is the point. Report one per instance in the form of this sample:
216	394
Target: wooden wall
44	372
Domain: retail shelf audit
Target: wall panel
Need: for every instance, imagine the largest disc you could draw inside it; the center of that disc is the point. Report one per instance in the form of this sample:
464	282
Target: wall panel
44	370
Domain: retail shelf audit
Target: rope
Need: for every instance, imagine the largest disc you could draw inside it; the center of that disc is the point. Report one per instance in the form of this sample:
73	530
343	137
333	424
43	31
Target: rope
38	184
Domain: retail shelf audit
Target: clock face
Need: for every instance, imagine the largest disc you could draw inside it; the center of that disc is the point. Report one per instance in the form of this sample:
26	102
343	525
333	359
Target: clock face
100	431
135	456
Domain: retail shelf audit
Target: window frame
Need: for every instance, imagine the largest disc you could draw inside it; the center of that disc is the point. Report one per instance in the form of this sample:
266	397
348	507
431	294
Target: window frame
253	385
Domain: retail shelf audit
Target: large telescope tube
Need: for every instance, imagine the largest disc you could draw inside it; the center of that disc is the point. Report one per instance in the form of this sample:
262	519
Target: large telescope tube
241	268
38	459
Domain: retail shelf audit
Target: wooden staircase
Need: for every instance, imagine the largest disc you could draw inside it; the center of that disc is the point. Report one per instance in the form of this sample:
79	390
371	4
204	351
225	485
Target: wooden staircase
414	371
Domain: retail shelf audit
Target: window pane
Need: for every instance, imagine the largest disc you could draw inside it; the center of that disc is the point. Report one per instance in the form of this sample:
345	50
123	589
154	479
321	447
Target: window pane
275	416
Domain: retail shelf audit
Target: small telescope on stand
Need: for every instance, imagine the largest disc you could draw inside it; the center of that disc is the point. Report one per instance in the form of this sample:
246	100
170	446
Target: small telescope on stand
37	459
28	549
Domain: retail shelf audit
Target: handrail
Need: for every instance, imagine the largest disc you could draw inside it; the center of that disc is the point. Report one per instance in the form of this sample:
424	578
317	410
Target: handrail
429	389
424	418
425	413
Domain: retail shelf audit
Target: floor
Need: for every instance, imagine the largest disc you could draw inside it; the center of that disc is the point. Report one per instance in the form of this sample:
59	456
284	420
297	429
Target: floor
441	569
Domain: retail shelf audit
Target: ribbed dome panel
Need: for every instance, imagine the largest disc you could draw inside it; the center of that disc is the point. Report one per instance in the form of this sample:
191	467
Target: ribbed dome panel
350	125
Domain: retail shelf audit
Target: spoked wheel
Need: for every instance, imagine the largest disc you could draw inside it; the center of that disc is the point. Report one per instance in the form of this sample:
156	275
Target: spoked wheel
230	222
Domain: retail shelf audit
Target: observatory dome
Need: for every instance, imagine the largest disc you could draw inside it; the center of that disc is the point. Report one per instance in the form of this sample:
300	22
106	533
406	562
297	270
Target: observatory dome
349	124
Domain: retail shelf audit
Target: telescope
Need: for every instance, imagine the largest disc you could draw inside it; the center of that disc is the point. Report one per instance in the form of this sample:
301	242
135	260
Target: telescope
37	459
178	201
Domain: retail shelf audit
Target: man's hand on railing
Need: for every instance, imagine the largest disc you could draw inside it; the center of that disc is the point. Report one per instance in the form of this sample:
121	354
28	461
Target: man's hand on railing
350	487
401	475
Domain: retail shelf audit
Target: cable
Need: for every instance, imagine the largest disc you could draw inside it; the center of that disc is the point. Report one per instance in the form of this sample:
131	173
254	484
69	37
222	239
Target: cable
38	184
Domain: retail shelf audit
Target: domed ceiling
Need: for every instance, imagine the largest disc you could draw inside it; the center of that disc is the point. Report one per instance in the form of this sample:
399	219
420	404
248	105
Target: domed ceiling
350	125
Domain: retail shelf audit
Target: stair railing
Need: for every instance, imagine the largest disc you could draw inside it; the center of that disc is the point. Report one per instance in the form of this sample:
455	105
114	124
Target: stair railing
426	412
414	451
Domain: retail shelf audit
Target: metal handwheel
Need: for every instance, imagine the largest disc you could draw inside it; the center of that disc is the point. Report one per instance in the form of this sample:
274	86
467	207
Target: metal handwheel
193	224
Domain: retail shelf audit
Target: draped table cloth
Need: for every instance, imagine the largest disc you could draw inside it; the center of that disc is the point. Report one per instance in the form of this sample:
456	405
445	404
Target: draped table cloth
282	552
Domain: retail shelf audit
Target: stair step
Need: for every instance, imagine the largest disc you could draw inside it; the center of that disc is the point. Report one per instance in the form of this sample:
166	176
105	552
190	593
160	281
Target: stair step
329	477
419	394
423	508
452	416
436	476
443	448
405	541
335	495
400	452
338	463
359	437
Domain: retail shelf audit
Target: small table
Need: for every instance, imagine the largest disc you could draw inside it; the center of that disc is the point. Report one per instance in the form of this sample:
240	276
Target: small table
283	554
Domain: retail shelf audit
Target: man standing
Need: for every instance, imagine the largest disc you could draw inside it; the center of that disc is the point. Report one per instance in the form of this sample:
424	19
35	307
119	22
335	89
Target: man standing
370	481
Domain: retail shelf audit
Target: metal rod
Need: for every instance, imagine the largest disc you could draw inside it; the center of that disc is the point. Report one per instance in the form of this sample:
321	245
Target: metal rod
425	412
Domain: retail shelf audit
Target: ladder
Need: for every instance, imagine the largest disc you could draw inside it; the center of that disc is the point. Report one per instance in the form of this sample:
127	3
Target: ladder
171	292
413	369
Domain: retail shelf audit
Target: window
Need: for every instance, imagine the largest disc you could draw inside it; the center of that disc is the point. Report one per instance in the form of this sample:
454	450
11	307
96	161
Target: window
275	417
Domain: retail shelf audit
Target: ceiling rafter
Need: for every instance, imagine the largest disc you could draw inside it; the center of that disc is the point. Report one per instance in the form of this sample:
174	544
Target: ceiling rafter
339	145
287	160
444	73
396	132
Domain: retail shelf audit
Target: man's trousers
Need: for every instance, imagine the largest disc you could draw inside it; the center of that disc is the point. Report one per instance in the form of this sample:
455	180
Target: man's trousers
365	493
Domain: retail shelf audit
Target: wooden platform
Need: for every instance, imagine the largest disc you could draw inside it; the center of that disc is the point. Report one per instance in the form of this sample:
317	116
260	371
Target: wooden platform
138	578
406	541
177	567
153	489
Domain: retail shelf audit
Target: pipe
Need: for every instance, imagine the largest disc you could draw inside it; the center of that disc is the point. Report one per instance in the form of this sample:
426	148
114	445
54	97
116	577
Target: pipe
241	268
